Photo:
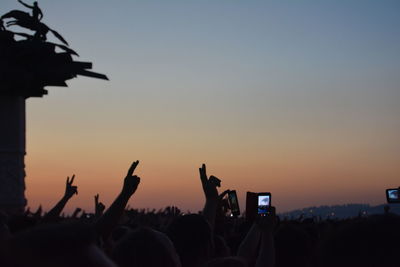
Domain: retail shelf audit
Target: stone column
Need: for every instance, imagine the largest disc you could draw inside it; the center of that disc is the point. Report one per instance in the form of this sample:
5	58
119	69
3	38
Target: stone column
12	153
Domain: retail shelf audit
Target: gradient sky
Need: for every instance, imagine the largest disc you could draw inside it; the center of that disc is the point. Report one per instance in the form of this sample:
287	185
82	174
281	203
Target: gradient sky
298	98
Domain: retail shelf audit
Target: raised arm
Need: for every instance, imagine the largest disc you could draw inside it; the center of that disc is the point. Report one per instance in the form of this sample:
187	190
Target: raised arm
266	254
70	190
260	241
76	212
40	15
211	194
249	245
110	218
98	207
25	5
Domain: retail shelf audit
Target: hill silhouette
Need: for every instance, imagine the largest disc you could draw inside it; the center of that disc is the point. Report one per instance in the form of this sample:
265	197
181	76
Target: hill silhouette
340	211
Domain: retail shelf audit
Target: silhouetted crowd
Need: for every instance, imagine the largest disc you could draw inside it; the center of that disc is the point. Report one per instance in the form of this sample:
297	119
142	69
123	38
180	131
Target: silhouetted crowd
121	236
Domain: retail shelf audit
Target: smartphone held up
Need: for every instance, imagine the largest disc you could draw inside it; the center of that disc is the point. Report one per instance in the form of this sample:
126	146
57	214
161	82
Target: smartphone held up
393	195
233	203
263	204
257	205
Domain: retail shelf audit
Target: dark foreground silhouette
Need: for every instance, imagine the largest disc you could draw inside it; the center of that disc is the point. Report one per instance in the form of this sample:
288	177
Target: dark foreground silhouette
130	237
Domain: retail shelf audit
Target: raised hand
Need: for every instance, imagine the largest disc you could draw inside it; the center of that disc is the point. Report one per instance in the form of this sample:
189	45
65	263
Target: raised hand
76	212
98	206
106	223
223	194
131	181
70	189
209	184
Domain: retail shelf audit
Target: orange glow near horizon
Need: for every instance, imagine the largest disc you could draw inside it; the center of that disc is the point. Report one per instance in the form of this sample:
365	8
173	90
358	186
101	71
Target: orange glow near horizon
297	176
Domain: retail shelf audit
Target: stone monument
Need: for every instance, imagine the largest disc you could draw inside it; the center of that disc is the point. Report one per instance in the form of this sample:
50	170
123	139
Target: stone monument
28	64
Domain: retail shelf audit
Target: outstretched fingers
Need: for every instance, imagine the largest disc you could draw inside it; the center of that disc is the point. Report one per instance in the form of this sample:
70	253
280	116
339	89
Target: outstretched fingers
203	175
132	168
70	180
70	189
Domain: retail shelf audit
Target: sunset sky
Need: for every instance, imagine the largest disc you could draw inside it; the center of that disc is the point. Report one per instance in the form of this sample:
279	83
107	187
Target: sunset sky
297	98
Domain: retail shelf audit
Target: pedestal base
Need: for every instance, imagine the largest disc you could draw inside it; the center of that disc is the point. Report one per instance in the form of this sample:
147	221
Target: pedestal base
12	184
12	152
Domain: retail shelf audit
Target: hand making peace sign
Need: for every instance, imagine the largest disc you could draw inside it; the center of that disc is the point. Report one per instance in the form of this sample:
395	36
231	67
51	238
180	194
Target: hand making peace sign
70	189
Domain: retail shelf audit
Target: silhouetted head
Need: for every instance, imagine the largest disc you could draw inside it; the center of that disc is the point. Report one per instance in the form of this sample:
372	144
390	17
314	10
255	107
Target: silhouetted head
19	223
35	4
119	232
145	247
192	237
54	245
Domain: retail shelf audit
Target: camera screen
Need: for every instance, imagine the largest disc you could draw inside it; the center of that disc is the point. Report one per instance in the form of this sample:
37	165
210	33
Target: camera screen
393	194
234	203
263	204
